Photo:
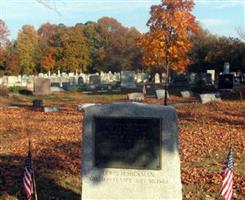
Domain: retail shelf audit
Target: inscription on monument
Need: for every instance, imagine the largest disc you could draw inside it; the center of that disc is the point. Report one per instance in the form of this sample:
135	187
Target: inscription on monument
132	143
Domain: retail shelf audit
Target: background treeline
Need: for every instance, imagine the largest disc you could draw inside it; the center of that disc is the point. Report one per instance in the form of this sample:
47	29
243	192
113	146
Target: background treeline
93	46
105	45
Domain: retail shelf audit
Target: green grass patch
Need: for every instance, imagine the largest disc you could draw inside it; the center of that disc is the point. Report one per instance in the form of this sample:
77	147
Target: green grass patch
16	88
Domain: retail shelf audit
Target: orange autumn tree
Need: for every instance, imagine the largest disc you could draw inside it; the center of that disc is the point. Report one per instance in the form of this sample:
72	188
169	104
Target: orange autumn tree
48	60
168	41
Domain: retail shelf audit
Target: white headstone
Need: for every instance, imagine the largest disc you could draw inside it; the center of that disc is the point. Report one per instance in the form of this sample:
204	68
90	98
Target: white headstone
161	94
209	97
212	72
12	80
52	109
136	96
157	78
186	94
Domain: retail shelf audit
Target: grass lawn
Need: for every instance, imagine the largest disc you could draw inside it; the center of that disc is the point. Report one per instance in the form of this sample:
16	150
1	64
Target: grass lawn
56	144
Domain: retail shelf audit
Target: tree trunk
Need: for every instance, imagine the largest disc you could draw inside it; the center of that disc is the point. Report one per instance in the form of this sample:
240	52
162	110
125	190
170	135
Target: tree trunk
166	87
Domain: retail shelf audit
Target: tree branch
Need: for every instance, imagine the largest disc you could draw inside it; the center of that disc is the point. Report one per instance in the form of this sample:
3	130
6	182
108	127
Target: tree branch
48	4
241	33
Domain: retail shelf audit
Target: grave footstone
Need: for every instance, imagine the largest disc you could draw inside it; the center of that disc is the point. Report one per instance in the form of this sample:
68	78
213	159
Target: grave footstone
130	151
52	109
81	107
136	96
209	97
186	94
56	89
161	94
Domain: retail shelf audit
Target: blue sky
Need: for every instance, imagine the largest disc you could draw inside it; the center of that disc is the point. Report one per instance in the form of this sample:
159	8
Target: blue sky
220	17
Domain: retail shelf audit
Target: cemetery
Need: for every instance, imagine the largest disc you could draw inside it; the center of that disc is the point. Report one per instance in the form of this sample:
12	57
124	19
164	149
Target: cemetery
149	108
182	160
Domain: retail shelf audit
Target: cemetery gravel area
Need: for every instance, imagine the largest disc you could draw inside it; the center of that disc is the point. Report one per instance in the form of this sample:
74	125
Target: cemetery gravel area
204	132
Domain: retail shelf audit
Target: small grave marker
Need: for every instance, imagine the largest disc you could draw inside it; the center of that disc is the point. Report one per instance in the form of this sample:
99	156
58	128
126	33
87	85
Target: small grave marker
136	96
209	97
161	94
37	103
52	109
186	94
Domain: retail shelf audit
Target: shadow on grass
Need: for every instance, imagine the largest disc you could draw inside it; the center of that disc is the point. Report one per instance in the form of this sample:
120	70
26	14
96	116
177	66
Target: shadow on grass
11	175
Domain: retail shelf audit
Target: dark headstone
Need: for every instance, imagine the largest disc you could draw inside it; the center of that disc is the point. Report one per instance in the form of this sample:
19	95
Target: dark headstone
94	79
225	81
37	103
179	81
80	80
206	78
151	89
127	79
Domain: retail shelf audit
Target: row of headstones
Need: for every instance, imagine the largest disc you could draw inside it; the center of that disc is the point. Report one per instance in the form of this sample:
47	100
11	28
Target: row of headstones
128	78
72	78
160	94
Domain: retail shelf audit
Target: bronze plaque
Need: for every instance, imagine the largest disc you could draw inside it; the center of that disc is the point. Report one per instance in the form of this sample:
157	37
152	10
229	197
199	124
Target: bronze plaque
132	143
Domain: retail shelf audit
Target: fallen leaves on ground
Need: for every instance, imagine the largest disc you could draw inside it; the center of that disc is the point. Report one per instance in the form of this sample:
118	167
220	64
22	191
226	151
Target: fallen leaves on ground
204	134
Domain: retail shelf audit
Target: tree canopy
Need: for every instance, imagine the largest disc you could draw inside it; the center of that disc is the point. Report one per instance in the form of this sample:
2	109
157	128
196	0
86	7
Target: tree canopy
168	41
107	45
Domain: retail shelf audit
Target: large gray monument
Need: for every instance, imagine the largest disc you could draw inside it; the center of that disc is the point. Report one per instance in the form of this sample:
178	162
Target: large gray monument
130	151
42	86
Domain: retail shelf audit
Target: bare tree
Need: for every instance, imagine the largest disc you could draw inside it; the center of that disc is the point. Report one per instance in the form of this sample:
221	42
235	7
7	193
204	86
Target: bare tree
241	32
50	4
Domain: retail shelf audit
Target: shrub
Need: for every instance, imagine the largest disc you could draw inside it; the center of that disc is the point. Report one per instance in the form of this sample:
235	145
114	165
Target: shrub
16	88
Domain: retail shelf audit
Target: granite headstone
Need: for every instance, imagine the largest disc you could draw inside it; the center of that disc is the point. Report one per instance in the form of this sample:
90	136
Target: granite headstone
130	151
42	86
127	79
